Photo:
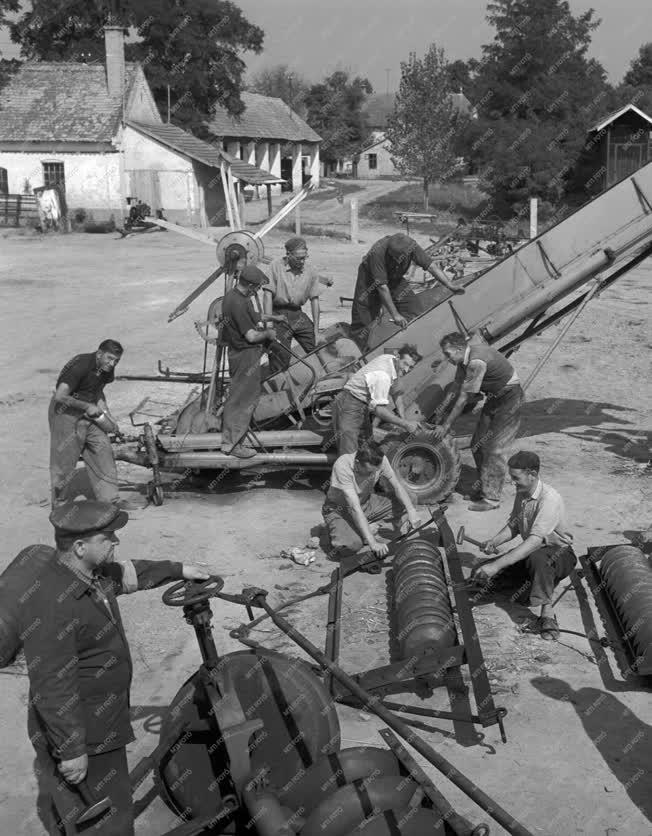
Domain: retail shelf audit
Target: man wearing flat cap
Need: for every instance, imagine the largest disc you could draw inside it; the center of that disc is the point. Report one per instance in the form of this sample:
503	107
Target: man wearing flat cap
245	334
382	285
545	555
79	664
292	283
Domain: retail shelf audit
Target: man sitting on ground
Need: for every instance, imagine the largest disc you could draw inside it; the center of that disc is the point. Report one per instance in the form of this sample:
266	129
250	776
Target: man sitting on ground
545	557
351	506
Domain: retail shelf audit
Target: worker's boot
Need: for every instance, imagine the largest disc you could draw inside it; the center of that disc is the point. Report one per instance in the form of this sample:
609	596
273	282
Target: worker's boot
242	451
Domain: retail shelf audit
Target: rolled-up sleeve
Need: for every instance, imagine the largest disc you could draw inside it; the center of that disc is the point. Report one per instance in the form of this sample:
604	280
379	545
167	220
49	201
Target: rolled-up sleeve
421	258
379	385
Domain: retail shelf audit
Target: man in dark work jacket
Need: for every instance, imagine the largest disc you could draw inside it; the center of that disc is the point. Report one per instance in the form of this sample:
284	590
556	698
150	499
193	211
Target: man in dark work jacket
482	369
244	334
79	664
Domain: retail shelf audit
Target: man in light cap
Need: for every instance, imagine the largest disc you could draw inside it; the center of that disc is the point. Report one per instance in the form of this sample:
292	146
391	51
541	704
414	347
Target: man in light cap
245	334
79	664
545	556
381	284
292	283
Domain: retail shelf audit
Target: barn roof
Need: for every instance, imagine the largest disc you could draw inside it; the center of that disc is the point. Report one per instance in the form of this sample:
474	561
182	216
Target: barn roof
185	143
61	101
264	117
612	117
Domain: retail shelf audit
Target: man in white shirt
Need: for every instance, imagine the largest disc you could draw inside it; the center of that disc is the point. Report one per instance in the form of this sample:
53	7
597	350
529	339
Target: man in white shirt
545	556
367	393
351	506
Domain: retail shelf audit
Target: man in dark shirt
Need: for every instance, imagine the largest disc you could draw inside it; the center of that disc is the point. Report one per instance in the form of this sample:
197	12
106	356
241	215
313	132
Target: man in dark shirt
79	664
244	333
79	421
484	370
381	284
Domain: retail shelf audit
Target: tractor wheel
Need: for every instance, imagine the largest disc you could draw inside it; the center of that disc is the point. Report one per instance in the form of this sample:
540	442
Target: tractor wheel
428	468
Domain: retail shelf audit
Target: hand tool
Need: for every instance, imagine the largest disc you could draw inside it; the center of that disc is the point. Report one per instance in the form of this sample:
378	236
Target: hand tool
461	537
94	807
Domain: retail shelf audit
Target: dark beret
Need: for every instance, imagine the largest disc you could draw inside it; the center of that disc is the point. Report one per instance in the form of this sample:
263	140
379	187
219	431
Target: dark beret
253	275
87	517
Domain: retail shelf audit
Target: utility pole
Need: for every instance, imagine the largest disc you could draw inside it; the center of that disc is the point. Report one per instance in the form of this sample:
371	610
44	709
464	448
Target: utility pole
388	72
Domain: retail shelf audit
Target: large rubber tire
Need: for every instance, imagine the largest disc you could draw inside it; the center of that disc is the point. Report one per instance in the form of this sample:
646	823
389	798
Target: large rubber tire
428	468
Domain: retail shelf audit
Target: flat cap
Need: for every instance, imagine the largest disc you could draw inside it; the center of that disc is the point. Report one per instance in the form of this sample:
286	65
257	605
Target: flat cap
87	517
253	275
295	243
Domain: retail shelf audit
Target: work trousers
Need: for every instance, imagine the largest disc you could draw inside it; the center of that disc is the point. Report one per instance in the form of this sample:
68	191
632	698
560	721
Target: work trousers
72	436
343	534
244	393
367	306
351	422
494	435
540	573
299	327
60	804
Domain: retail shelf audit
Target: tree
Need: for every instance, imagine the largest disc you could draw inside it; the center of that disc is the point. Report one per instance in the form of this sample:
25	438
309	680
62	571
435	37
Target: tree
282	83
334	110
193	46
8	7
537	95
423	127
640	69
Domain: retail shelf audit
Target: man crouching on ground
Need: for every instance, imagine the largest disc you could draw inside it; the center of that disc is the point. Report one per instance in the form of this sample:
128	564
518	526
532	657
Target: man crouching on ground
545	557
79	665
351	506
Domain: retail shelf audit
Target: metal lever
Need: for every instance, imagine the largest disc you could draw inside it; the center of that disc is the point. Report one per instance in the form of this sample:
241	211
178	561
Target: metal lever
94	808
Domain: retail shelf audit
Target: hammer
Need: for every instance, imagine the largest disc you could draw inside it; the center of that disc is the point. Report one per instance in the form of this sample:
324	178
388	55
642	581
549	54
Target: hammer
94	808
461	537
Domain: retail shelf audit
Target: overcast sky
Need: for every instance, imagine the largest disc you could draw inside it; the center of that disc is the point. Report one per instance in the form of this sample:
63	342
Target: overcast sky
370	37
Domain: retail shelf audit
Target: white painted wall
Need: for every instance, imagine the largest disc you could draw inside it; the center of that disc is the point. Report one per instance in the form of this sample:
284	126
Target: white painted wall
92	180
384	167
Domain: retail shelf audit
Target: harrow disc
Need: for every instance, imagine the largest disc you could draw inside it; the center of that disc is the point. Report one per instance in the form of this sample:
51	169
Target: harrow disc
300	725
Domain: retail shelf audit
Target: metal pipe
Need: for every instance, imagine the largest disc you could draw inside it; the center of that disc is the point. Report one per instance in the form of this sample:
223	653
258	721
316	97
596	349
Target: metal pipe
212	460
371	703
266	438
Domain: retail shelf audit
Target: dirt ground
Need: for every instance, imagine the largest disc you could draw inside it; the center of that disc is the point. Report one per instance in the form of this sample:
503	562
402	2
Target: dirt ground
578	756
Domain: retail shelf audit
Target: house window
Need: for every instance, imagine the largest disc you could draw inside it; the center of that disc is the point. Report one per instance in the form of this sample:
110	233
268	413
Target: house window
373	161
53	175
4	185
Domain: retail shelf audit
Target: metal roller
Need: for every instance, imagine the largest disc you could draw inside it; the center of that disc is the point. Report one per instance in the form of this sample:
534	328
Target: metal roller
627	576
424	617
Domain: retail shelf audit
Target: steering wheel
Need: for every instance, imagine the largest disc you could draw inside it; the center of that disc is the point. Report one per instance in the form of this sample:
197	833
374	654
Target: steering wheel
187	593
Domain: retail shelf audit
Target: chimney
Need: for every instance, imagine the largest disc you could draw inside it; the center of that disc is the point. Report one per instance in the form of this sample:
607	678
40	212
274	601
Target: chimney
114	45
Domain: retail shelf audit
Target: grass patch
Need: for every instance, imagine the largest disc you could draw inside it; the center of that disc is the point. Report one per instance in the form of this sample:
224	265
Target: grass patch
331	191
450	199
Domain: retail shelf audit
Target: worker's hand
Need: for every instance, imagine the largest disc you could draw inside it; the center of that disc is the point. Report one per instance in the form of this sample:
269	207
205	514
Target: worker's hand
439	432
93	411
489	547
412	521
485	572
316	335
379	549
194	573
270	333
401	321
75	769
412	426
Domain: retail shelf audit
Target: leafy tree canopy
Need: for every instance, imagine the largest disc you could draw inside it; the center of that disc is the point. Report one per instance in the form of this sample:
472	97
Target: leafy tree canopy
334	108
282	83
194	46
640	68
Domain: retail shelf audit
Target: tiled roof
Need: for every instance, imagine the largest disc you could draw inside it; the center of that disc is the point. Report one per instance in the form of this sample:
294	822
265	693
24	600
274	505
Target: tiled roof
611	117
264	117
187	144
60	101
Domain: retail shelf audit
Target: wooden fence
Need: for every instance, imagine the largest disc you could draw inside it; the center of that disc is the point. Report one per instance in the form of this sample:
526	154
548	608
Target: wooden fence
17	208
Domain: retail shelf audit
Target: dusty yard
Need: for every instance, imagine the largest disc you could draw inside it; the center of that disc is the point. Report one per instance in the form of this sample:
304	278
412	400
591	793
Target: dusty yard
578	755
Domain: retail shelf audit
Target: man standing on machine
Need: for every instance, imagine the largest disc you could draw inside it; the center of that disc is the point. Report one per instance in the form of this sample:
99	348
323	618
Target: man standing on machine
352	509
545	556
291	284
382	285
481	368
244	333
79	664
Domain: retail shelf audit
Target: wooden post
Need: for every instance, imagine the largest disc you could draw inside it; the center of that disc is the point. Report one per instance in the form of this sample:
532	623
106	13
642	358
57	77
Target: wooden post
241	204
607	177
269	200
534	205
297	220
354	221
